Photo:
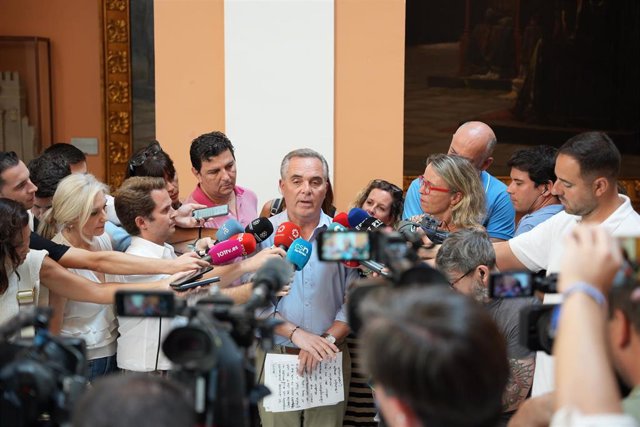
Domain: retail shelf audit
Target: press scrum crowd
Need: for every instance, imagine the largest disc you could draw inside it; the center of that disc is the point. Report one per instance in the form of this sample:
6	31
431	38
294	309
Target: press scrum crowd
436	347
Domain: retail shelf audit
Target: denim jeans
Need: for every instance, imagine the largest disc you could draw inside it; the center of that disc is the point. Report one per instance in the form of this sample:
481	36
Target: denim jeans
102	366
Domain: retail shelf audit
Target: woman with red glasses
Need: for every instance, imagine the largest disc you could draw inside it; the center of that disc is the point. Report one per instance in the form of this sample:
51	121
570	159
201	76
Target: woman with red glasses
451	192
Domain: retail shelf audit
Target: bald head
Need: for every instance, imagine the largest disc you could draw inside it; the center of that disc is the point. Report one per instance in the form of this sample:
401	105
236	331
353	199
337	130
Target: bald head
475	141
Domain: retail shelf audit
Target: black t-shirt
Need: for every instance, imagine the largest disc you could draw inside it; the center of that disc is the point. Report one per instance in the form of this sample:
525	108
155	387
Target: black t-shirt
56	251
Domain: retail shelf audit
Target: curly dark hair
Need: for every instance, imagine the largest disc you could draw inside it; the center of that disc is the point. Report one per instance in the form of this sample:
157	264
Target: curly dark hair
208	145
46	173
155	163
13	218
396	195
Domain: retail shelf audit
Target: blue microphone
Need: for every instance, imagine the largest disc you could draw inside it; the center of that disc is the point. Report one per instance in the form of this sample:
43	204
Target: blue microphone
356	216
336	226
230	228
299	253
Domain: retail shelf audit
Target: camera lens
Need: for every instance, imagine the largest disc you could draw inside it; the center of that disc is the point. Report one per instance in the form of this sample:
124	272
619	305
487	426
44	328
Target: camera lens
190	347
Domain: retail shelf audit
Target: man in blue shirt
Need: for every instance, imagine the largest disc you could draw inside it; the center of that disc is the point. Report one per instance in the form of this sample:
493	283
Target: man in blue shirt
475	141
315	323
532	177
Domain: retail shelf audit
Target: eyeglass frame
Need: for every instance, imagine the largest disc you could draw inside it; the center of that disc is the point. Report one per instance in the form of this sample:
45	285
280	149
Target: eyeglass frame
429	188
452	284
139	159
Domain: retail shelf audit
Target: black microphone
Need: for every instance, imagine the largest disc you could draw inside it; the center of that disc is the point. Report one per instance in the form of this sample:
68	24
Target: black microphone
369	224
261	228
269	279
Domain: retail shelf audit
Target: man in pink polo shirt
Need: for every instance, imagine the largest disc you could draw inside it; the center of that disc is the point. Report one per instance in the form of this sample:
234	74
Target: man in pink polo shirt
214	165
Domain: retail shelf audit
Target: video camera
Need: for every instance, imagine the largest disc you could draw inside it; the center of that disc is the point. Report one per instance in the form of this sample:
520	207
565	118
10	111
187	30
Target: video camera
210	350
538	323
392	254
42	377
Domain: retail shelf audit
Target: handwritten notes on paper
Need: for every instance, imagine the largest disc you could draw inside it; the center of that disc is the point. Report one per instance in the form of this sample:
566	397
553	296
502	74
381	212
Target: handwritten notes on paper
292	392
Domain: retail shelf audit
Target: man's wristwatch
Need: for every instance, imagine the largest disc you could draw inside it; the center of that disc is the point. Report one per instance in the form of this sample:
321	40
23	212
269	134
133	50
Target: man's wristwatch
329	338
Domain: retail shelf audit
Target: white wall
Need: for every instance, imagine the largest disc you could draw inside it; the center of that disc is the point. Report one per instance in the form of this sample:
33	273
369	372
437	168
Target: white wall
279	85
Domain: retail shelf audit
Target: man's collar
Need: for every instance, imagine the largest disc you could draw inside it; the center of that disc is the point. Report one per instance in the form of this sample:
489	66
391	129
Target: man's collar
157	251
201	197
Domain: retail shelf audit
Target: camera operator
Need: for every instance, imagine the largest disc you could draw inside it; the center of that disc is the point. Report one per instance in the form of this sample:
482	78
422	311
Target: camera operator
134	401
467	258
587	168
435	358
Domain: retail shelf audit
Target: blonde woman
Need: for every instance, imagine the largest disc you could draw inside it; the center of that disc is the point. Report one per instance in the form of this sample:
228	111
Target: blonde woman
77	218
450	191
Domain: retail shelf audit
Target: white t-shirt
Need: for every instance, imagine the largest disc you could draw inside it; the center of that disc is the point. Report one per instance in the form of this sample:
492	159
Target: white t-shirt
566	417
96	324
542	249
138	345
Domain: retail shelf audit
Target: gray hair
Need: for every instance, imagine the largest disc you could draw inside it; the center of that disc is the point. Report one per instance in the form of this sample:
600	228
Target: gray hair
464	250
304	152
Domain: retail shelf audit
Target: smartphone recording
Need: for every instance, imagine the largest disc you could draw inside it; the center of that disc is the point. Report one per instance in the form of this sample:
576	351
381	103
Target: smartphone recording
145	303
511	284
348	245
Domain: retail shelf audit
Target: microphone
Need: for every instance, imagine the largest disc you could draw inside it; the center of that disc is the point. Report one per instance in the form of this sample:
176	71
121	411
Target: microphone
269	279
286	233
409	231
228	229
248	242
226	251
356	216
361	220
299	253
261	228
342	219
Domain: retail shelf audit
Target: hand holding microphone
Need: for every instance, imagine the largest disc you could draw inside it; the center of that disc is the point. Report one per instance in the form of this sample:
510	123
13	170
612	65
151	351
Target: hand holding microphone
237	246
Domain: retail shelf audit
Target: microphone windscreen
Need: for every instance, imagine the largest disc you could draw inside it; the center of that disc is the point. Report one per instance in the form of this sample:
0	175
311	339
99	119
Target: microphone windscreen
228	229
334	226
225	252
248	242
261	228
369	224
342	218
275	273
356	216
286	233
299	253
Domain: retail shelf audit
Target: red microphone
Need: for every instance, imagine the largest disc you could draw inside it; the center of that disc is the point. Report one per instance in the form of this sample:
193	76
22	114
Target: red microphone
343	219
226	251
248	242
286	233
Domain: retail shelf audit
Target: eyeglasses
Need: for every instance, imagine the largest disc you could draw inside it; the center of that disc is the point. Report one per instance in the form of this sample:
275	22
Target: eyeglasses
428	188
452	284
139	159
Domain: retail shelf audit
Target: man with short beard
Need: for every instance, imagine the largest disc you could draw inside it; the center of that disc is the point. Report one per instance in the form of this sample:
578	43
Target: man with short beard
467	258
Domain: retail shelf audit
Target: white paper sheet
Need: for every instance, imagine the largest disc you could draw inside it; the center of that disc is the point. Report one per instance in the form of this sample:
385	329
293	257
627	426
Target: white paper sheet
292	392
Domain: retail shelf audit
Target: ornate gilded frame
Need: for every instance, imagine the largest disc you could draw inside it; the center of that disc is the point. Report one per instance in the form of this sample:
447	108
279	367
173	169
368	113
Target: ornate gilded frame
116	88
